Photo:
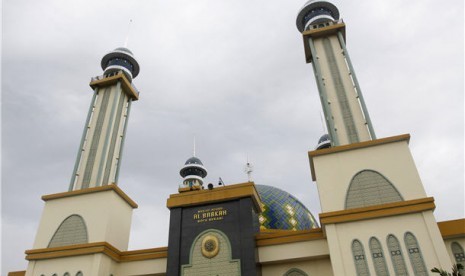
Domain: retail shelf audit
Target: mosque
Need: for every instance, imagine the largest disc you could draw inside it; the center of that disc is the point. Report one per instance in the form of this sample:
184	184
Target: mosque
376	217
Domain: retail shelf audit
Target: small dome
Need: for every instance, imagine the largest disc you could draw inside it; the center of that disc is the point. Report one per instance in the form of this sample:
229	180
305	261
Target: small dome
283	211
316	11
126	50
120	59
324	142
193	160
193	166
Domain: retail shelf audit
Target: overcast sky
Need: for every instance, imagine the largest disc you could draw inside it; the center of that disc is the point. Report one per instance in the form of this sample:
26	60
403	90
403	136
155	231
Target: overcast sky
233	74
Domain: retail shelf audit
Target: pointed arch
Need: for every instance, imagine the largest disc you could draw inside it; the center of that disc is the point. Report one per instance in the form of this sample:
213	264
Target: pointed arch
72	230
211	251
295	272
369	187
397	258
458	252
415	256
360	260
377	255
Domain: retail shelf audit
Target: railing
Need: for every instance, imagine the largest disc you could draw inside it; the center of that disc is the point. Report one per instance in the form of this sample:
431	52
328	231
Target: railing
97	78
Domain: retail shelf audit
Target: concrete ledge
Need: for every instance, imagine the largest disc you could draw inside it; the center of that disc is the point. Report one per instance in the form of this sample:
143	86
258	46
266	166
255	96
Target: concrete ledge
378	211
94	248
105	188
219	194
452	228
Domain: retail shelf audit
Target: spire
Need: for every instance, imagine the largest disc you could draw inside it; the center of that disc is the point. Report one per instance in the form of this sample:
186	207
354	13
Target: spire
127	34
193	152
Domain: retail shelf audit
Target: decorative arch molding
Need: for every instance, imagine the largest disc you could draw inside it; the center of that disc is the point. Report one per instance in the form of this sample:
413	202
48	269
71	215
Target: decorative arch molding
360	260
377	255
211	251
295	272
458	252
368	188
397	258
414	252
72	230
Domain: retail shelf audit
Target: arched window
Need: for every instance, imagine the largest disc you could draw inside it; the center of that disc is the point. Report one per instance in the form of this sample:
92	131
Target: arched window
295	272
71	231
414	252
79	274
66	274
397	258
459	255
368	188
379	262
360	259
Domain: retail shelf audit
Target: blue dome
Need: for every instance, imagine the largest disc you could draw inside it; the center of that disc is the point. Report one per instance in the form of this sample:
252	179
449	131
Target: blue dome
283	211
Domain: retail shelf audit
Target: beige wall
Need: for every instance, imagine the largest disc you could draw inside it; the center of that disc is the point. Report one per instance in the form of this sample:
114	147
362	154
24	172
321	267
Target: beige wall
146	267
320	267
88	265
422	225
106	215
448	242
294	251
392	160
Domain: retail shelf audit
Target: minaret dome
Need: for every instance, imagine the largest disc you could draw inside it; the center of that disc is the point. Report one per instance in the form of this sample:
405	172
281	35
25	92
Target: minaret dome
324	142
120	59
314	12
193	173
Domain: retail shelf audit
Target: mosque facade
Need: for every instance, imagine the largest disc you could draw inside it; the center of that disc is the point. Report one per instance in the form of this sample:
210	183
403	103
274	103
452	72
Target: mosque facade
376	217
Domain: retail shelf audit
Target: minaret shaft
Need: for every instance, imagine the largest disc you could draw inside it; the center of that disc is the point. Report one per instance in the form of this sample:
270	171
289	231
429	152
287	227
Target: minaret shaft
102	140
344	109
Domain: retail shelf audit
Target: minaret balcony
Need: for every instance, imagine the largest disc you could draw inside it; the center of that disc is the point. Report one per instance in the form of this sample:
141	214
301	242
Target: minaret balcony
105	80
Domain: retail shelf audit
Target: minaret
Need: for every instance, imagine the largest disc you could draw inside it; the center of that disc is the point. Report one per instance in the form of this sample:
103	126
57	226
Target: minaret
375	212
345	113
100	151
95	214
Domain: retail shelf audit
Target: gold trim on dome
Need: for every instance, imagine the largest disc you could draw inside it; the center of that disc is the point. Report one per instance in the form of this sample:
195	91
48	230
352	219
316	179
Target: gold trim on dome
210	246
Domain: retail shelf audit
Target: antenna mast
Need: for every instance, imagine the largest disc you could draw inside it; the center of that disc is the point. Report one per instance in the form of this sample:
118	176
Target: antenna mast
127	34
248	169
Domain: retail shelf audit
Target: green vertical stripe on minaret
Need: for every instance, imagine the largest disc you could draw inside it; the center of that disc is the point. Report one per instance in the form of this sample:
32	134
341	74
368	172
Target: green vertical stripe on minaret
114	138
107	136
357	86
95	139
120	157
323	95
341	94
83	138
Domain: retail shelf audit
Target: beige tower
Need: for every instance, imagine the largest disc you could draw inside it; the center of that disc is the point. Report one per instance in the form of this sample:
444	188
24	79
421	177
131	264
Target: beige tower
376	215
83	231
